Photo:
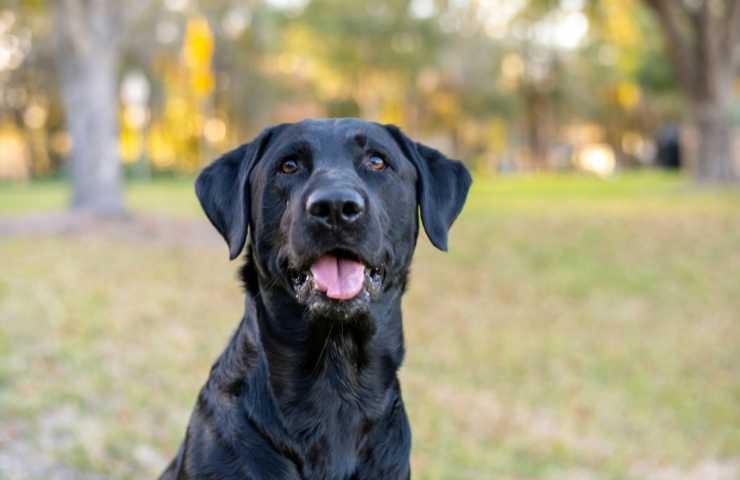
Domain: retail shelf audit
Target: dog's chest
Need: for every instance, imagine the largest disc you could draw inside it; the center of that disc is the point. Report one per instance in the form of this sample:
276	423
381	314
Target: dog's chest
331	432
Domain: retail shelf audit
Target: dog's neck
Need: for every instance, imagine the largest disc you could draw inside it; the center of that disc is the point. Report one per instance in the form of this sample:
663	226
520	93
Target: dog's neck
334	364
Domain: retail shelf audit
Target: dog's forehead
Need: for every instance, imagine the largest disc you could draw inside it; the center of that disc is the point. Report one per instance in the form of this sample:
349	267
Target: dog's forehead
336	132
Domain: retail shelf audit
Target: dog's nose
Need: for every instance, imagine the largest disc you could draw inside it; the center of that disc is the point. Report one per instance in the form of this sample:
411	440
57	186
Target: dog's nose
335	207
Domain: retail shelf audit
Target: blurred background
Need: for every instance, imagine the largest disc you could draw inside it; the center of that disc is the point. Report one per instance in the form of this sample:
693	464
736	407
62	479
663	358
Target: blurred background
584	325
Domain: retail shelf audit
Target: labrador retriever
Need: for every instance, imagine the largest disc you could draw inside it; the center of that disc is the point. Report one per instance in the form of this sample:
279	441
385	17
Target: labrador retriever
307	387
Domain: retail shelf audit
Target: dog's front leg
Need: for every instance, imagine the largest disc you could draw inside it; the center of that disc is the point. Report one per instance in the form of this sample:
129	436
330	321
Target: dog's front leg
385	452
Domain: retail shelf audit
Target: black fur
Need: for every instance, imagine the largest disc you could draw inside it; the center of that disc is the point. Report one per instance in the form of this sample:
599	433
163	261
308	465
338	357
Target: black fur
307	386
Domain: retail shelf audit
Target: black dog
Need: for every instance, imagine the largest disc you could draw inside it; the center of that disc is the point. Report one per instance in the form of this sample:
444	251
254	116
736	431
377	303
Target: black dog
307	387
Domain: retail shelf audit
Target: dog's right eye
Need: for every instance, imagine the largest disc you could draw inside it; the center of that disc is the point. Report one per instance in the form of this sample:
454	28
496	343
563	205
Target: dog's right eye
288	166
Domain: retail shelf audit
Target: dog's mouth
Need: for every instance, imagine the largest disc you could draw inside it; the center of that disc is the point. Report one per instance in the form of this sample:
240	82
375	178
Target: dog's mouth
339	275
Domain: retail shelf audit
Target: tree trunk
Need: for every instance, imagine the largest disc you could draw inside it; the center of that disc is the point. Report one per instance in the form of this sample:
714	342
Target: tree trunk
702	40
715	161
535	105
88	61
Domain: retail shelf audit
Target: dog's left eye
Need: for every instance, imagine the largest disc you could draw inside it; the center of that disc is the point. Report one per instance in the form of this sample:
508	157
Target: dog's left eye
289	166
376	162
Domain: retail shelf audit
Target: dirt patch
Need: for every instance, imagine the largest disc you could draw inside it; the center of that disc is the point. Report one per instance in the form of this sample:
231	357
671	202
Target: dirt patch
710	469
131	226
21	460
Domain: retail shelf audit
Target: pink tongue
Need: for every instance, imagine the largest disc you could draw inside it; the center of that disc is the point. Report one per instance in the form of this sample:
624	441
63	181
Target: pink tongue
339	278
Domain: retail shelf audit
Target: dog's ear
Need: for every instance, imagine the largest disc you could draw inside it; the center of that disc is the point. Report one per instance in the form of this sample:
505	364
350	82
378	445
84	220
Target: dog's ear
441	189
223	190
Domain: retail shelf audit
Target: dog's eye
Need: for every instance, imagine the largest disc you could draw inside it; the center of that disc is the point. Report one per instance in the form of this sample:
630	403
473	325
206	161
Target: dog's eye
288	166
376	162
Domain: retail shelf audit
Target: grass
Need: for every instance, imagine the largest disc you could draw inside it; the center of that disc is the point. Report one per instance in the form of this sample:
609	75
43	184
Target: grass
578	328
168	196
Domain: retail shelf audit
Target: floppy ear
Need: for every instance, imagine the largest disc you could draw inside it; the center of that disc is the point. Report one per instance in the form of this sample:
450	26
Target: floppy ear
441	189
223	190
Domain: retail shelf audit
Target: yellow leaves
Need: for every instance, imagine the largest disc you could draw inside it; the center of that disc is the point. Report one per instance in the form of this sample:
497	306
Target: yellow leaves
197	50
161	148
628	95
622	31
392	112
181	124
201	83
130	145
176	132
620	22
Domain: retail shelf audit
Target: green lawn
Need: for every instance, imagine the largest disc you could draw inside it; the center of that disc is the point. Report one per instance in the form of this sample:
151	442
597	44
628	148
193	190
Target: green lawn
578	328
170	196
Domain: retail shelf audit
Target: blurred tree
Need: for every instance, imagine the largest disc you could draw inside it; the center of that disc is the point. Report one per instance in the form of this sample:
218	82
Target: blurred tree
631	91
541	69
88	38
703	41
361	57
494	81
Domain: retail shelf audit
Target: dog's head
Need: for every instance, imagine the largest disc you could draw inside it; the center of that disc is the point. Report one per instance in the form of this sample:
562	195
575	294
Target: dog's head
330	207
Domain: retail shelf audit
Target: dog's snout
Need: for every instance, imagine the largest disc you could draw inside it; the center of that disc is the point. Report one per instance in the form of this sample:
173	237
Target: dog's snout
335	207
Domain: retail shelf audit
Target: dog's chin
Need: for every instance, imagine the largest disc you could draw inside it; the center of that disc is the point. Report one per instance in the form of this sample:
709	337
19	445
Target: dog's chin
321	306
308	293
